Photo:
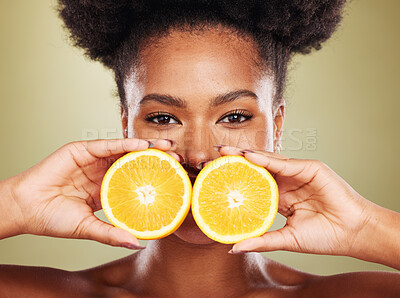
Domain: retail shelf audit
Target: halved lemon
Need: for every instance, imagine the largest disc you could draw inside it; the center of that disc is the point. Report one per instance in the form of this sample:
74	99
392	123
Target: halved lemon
147	193
234	199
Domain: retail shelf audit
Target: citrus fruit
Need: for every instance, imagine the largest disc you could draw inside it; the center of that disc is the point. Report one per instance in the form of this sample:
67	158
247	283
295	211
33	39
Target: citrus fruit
147	193
234	199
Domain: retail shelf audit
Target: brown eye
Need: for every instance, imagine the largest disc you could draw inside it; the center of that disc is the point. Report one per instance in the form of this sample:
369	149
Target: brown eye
236	117
161	119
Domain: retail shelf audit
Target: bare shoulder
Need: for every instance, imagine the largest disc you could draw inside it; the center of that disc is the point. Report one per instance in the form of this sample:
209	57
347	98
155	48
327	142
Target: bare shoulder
114	274
287	276
30	281
289	282
356	284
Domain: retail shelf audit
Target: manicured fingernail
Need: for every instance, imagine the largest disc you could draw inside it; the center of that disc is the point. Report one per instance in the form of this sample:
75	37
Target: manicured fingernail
246	150
171	141
200	165
132	246
217	147
151	144
239	252
180	157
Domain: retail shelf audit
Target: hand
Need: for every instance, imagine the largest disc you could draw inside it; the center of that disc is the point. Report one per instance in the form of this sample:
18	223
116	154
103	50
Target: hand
324	214
58	196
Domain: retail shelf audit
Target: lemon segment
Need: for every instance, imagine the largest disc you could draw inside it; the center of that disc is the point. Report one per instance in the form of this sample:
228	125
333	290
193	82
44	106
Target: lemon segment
234	199
147	193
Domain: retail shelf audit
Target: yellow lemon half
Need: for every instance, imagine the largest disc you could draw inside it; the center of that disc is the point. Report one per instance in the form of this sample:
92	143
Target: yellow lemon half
147	193
234	199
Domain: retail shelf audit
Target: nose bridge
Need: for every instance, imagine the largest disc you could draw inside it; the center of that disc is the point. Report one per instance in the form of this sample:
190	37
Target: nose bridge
198	143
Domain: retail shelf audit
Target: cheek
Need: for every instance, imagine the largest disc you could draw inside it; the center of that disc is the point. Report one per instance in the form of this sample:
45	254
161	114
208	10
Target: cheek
268	135
258	135
265	137
142	131
264	140
259	138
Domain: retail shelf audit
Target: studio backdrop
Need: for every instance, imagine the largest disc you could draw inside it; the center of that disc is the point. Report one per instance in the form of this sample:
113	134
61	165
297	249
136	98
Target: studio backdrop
342	108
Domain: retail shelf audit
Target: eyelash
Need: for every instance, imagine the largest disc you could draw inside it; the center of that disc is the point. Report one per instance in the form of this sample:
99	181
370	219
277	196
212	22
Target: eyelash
152	116
243	113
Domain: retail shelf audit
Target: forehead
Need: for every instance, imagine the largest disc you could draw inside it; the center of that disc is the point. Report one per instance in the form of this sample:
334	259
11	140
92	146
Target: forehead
194	65
199	66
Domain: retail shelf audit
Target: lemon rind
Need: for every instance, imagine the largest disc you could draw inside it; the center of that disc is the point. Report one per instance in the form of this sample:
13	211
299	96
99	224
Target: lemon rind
230	239
180	216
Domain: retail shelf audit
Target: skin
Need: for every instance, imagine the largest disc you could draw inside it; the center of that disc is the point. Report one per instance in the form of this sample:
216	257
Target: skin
204	72
187	263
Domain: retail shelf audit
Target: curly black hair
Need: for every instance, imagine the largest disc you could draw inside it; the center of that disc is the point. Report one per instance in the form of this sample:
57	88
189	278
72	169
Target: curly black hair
113	31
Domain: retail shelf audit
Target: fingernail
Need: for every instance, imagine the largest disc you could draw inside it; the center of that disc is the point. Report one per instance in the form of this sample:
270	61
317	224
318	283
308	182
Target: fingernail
200	165
132	246
180	157
238	252
171	141
151	144
246	150
217	147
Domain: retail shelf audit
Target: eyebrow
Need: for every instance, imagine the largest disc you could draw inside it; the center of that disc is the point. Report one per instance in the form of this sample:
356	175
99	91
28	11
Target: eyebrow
215	101
231	96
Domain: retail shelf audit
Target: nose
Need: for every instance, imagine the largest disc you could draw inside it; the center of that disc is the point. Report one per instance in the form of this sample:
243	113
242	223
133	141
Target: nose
198	149
196	159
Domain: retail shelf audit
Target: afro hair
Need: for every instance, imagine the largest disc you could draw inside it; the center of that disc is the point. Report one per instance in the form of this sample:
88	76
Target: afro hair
112	31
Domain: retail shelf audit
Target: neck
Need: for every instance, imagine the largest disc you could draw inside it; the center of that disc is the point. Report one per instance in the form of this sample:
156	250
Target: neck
171	265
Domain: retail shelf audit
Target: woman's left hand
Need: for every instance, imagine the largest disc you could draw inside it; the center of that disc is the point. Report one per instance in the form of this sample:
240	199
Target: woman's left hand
58	196
324	214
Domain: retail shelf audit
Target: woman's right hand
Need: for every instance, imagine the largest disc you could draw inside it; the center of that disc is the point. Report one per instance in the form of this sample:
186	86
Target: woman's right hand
58	196
325	215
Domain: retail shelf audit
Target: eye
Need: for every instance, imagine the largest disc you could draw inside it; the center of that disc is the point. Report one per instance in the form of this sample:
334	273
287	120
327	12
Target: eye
160	118
235	117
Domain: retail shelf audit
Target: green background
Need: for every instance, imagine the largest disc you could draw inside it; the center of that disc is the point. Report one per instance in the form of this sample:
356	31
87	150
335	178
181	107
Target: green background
343	107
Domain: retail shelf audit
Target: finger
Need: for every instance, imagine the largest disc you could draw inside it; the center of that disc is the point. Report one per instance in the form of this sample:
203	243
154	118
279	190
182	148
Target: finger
95	229
275	240
300	168
86	152
175	155
225	150
230	150
162	144
206	163
266	153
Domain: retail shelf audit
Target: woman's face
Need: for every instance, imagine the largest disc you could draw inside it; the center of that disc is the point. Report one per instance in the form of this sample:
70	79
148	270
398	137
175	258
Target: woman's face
200	91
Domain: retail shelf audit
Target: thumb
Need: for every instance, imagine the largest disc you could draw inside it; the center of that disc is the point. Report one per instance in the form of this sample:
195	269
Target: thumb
95	229
280	239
